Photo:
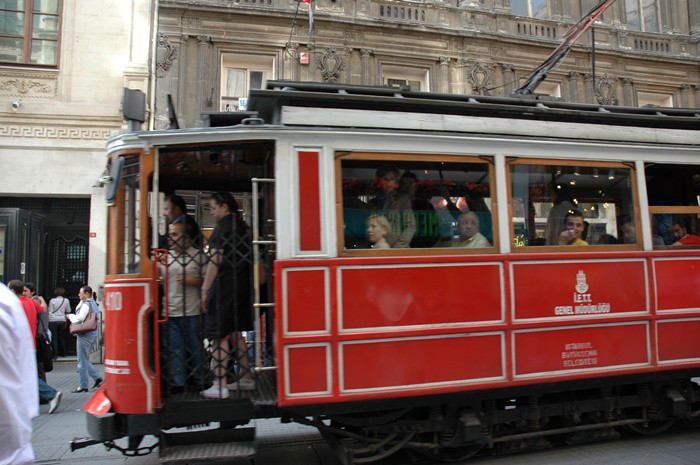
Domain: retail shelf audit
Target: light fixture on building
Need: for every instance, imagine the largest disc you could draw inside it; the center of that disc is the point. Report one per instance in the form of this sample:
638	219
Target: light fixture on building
16	104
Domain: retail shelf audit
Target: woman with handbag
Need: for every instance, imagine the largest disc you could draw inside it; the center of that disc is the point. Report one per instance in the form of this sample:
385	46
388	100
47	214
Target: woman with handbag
84	325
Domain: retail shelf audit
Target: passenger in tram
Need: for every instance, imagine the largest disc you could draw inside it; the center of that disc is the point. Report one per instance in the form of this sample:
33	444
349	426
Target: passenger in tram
182	334
395	206
683	237
628	233
573	227
378	228
175	210
607	239
427	221
226	295
469	232
557	215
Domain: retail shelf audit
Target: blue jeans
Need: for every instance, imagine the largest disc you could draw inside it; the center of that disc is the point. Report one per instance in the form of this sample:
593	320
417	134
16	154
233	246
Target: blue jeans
85	369
46	392
183	336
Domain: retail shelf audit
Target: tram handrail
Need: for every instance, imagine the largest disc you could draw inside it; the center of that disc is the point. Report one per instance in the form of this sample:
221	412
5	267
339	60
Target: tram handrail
257	305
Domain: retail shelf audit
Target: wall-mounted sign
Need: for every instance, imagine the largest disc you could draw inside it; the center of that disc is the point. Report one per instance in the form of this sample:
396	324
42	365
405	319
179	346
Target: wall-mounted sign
304	58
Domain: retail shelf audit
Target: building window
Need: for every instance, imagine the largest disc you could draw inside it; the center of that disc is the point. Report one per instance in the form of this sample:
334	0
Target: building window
397	76
653	99
239	75
29	31
531	8
643	15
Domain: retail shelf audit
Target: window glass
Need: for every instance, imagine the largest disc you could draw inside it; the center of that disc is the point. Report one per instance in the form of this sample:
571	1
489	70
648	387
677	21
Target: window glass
235	83
539	9
674	205
519	7
633	19
11	50
390	204
257	79
11	23
559	205
651	16
46	6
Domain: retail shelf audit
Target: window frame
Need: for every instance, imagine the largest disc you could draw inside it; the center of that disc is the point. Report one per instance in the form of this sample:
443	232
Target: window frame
513	160
402	157
247	62
28	39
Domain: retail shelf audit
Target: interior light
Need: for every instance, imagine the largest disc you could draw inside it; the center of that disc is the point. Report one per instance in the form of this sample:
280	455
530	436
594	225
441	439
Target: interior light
611	175
595	172
573	183
558	186
576	201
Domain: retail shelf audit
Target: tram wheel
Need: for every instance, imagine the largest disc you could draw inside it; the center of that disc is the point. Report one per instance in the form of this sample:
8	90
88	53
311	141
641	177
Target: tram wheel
652	427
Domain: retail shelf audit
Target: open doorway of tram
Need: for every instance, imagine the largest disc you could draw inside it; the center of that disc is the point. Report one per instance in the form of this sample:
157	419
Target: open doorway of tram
215	267
45	241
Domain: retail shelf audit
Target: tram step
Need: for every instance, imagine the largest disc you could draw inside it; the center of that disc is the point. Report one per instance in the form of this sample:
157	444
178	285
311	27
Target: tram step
213	446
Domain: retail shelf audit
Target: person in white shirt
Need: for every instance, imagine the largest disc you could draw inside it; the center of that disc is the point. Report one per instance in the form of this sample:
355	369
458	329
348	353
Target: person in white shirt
182	334
58	307
86	341
19	396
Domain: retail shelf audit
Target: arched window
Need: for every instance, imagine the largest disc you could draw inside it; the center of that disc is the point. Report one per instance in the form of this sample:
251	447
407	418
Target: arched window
531	8
643	15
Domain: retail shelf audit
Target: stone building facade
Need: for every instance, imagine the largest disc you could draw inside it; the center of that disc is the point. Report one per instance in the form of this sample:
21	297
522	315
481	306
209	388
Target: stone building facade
60	97
211	52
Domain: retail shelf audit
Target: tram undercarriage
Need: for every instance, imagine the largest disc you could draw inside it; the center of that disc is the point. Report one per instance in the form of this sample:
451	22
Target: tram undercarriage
459	429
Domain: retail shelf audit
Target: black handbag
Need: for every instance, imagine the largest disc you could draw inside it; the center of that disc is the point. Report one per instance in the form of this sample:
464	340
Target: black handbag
44	352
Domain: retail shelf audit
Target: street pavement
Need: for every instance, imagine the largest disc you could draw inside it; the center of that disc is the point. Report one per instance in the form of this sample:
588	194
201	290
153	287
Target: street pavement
294	444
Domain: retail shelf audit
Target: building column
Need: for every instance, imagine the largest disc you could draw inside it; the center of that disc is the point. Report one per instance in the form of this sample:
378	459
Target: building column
291	61
365	55
685	96
628	92
589	88
697	96
443	75
501	6
509	82
205	89
573	86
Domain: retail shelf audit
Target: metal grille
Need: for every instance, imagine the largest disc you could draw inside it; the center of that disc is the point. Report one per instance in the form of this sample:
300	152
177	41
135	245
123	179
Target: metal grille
69	262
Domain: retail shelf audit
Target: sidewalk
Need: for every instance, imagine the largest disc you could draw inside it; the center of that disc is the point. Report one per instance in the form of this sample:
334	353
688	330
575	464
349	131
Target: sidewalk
53	433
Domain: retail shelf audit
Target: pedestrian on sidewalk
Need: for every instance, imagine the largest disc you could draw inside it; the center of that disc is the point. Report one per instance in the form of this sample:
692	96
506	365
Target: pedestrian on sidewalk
19	397
58	307
42	329
47	394
86	341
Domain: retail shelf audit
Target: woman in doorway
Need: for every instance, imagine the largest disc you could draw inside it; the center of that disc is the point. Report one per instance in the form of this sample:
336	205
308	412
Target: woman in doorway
226	296
86	340
59	306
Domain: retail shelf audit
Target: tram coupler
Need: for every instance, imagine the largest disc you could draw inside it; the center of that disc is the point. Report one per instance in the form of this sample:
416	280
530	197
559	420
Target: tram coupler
81	443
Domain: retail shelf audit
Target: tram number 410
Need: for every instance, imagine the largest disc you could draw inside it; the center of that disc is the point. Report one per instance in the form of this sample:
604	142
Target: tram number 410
113	301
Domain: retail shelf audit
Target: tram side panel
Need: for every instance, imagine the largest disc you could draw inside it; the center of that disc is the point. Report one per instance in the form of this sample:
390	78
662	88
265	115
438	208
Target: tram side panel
377	328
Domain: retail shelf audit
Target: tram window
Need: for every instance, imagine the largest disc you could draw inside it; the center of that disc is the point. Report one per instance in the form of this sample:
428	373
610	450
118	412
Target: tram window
130	256
419	204
674	205
563	204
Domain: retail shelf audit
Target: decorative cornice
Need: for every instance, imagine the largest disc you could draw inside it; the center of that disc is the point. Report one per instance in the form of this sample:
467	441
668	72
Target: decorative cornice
56	132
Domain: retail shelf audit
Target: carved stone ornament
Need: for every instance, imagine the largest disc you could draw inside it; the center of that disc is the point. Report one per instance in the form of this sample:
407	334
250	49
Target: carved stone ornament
27	87
330	63
166	53
605	91
193	23
479	76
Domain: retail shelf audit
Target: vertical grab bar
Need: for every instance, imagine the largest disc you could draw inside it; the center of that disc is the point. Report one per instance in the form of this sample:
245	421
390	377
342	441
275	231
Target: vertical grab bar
257	305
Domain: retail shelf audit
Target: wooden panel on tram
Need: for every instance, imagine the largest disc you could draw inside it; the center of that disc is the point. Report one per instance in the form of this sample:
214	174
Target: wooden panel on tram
306	294
414	295
402	363
580	349
677	284
678	340
581	289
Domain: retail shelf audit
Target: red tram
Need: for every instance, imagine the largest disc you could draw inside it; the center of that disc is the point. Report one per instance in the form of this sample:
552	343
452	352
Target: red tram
432	342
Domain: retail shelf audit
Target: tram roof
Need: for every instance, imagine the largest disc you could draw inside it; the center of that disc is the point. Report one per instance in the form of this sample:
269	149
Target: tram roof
268	103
